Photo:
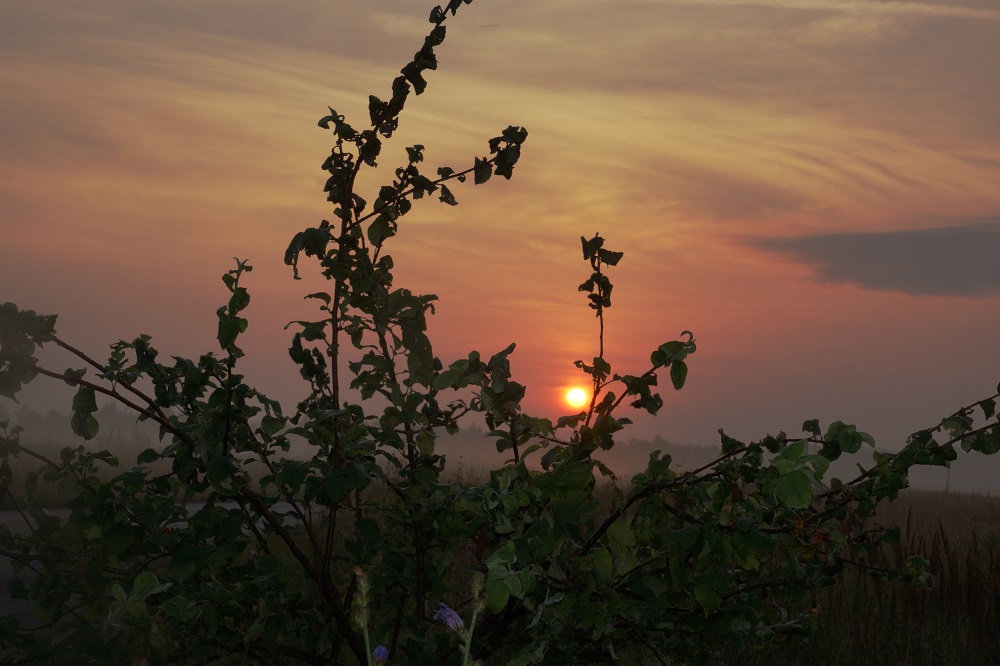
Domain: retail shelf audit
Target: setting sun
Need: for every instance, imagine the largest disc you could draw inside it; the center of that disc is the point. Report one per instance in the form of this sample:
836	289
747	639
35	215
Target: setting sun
577	397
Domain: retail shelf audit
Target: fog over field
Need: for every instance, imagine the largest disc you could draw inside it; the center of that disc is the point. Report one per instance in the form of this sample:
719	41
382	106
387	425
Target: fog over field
472	452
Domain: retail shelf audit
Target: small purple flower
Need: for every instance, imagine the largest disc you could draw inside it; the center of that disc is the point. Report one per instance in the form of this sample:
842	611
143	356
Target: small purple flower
448	615
380	655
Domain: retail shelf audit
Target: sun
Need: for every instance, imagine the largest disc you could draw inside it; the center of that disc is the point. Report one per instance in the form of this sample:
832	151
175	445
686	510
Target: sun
576	397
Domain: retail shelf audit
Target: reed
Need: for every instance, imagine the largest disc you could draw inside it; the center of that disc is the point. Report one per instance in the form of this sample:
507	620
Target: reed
866	621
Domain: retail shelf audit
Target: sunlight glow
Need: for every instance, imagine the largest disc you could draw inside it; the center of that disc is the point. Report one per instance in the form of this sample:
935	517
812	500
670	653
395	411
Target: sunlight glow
577	397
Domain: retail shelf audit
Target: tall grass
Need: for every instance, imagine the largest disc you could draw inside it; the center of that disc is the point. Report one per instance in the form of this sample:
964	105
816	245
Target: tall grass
870	622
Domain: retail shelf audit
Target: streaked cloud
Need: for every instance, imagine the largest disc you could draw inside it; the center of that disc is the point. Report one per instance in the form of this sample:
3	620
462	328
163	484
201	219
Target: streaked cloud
959	260
867	7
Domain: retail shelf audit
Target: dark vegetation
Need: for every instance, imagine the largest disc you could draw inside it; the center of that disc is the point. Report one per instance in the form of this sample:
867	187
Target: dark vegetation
218	544
863	620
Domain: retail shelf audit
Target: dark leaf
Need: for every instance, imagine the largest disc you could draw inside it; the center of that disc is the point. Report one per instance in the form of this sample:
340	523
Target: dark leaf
678	374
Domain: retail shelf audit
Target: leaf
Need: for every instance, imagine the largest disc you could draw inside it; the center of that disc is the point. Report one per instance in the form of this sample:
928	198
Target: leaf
239	300
220	468
794	451
146	584
359	475
84	425
415	153
603	565
483	170
230	329
571	421
325	121
620	535
610	258
447	197
147	456
989	408
590	247
820	465
84	405
497	595
180	608
293	473
514	586
269	425
369	533
706	590
505	556
336	486
601	367
678	374
447	379
412	73
85	400
323	296
794	489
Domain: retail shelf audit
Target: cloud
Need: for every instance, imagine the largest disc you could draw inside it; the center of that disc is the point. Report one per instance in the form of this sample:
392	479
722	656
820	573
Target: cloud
866	7
961	260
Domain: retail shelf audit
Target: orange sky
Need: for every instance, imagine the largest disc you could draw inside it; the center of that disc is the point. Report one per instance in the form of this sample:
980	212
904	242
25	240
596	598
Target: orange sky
810	186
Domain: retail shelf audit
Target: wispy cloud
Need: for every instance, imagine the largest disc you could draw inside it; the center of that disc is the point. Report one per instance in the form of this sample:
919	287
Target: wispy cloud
960	260
868	7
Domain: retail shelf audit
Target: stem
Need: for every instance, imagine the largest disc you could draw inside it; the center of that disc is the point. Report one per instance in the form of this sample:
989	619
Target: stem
230	364
412	459
364	632
329	597
468	638
600	340
397	627
690	477
513	441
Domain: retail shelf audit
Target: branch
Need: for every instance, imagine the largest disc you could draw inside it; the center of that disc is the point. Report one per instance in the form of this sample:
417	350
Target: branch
687	479
331	599
131	389
112	393
405	193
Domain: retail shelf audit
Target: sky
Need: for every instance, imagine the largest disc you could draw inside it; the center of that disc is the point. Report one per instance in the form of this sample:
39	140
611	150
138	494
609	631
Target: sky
812	187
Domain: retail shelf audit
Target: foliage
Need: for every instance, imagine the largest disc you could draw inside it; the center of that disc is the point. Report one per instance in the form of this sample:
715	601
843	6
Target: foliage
364	543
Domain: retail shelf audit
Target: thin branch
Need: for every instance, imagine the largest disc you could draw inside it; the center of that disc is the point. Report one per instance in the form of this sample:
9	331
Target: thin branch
649	646
111	393
331	599
687	479
128	387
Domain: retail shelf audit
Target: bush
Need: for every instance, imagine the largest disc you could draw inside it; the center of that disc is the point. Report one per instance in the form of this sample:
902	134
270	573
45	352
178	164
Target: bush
364	552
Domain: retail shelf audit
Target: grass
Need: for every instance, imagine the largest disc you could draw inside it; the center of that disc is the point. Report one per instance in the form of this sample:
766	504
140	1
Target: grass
864	621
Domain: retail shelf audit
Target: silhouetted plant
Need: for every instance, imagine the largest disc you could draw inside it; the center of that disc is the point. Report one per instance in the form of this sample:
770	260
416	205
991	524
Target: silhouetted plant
280	555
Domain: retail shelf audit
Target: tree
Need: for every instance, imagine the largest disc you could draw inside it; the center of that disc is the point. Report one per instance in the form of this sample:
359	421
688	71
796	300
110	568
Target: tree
364	552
